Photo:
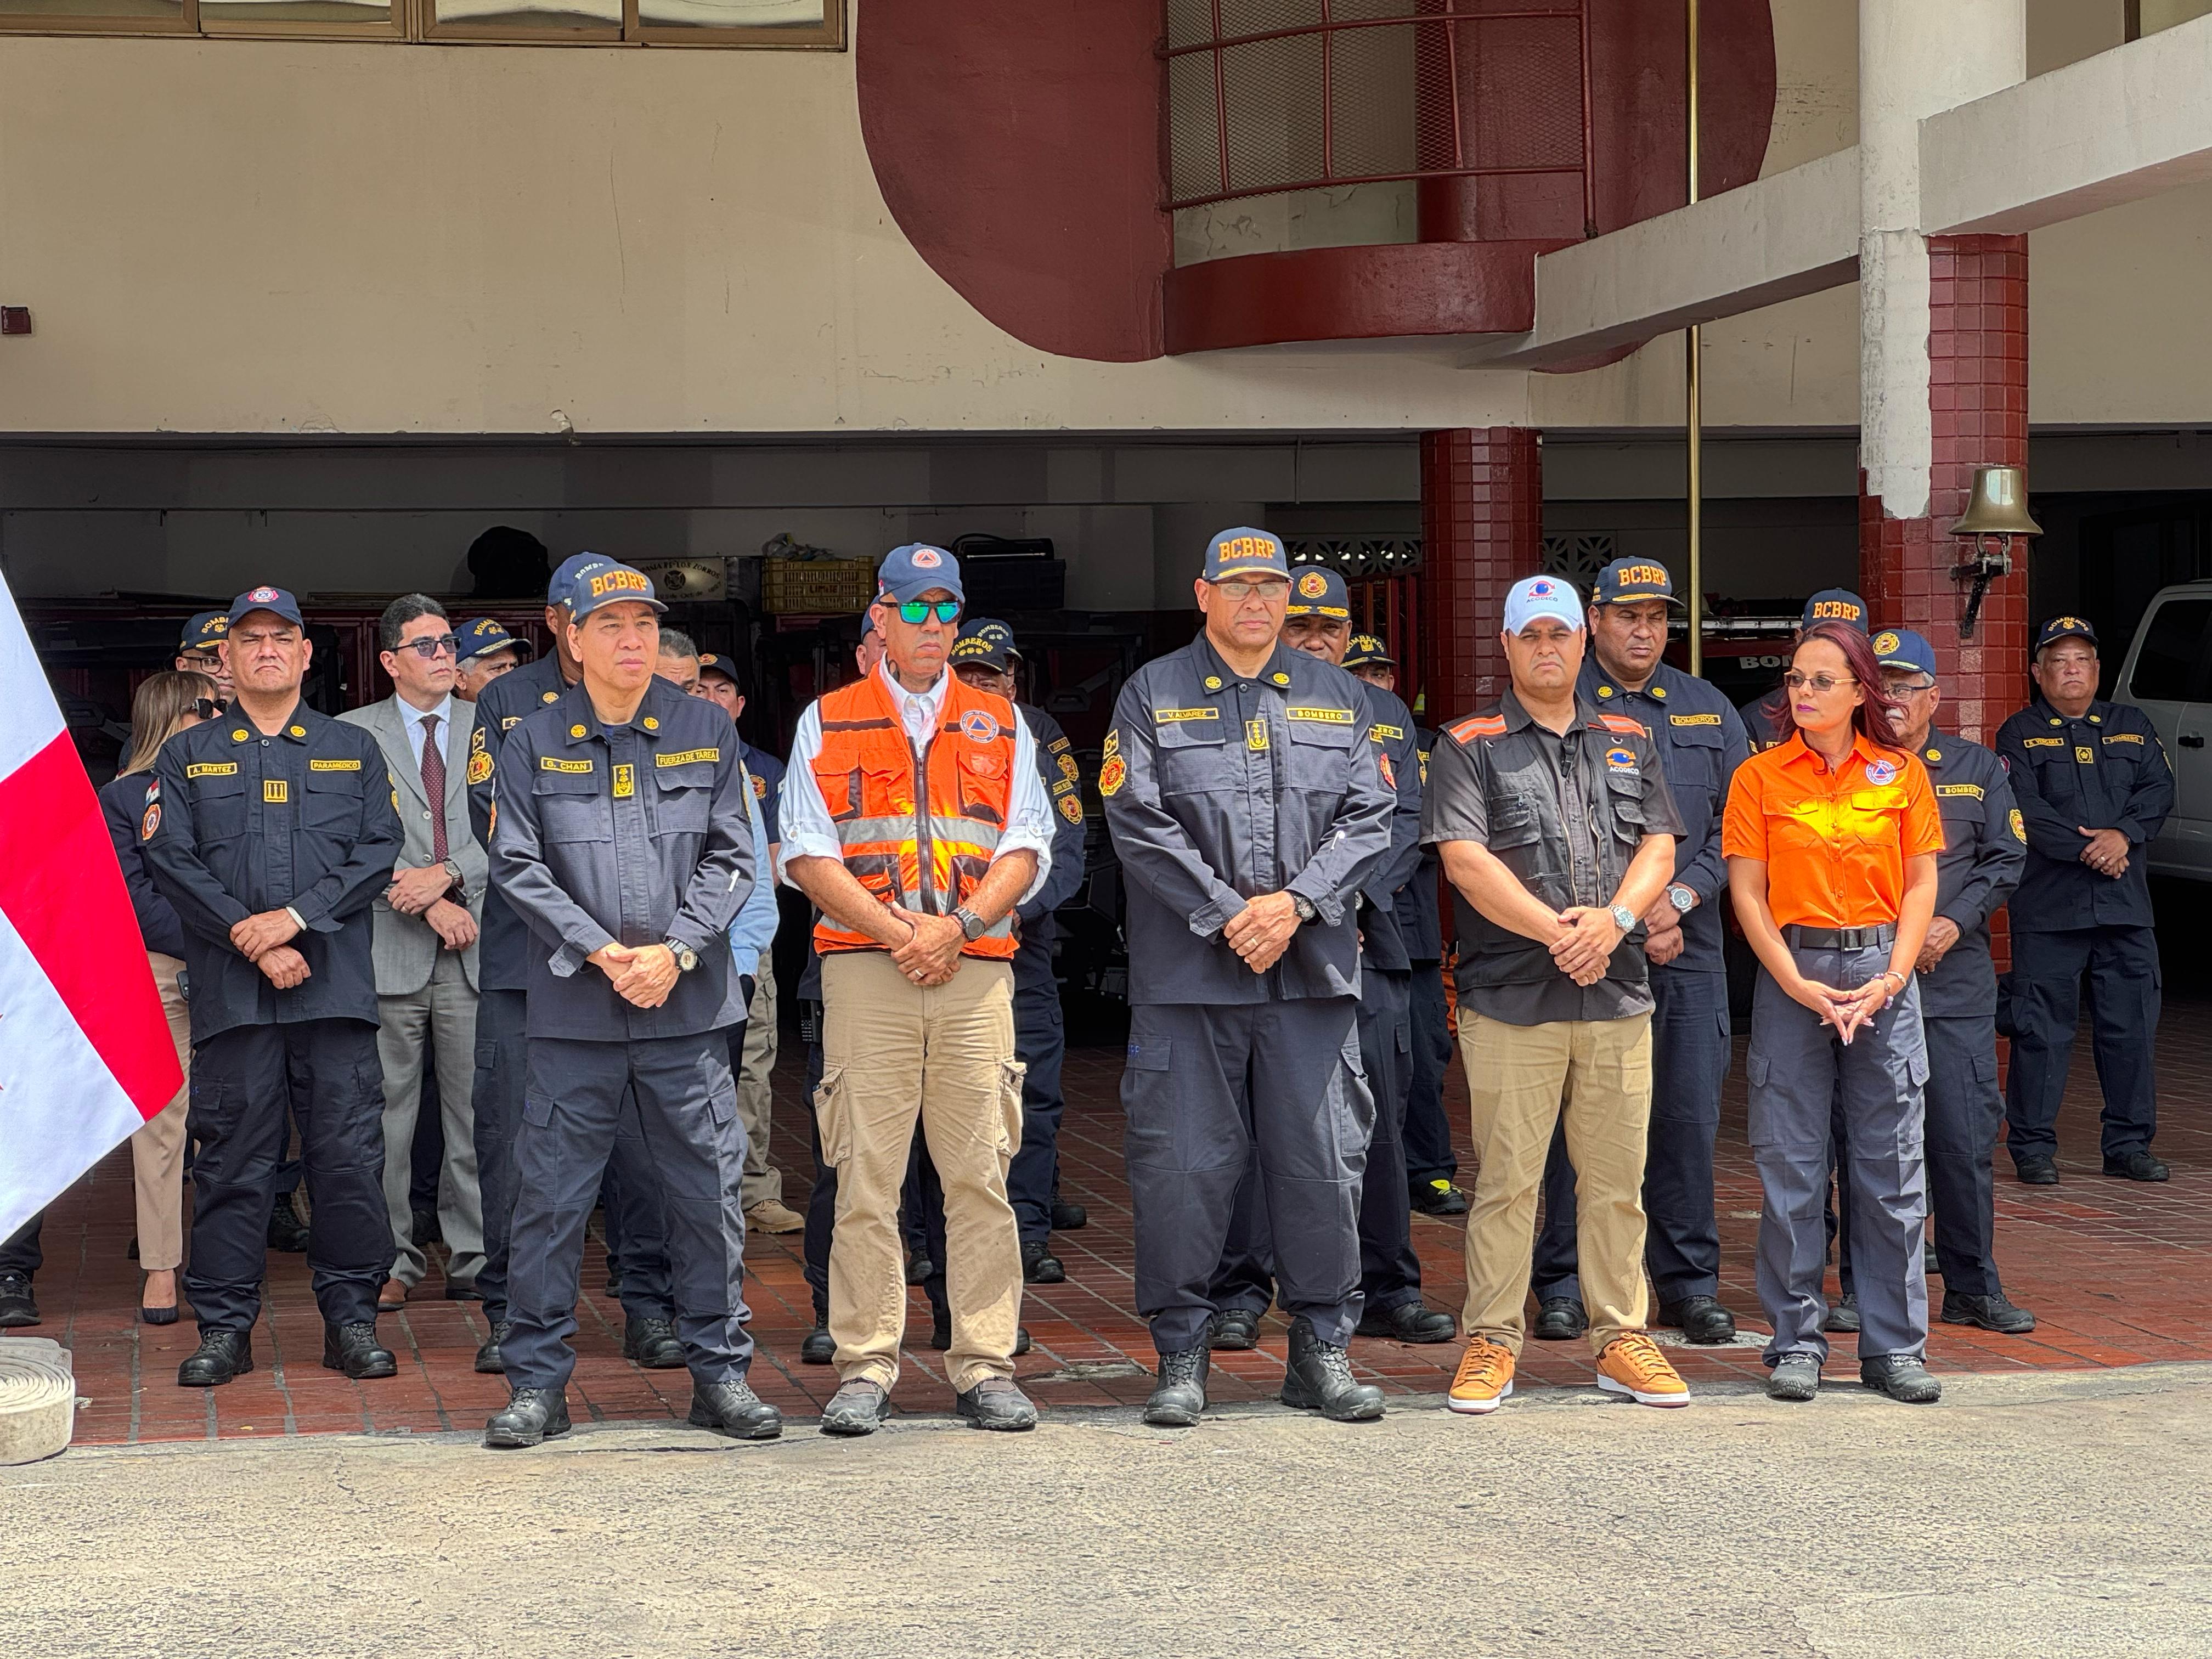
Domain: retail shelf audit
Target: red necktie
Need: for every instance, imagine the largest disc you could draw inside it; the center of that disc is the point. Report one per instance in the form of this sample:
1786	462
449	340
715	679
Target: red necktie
434	785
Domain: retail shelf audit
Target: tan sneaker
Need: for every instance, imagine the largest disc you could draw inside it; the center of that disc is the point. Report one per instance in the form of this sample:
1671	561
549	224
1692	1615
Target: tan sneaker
1484	1378
1633	1365
772	1216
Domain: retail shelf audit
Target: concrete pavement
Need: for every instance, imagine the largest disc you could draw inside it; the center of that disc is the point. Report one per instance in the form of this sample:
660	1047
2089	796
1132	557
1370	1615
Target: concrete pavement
2025	1514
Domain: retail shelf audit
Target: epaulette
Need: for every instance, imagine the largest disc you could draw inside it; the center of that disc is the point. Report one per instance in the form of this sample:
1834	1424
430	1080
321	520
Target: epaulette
1477	725
1623	725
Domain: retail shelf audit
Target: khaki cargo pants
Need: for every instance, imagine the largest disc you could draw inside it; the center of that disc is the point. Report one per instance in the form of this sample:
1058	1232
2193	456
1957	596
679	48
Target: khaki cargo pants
894	1054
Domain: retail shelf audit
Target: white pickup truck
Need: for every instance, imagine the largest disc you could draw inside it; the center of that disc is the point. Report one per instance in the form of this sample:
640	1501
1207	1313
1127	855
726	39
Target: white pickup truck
2168	675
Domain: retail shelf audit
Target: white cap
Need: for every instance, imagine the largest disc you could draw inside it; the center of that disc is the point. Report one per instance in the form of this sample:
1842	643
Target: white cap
1541	596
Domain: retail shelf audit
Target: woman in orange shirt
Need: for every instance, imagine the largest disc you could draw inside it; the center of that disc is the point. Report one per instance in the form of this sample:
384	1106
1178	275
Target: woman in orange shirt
1830	838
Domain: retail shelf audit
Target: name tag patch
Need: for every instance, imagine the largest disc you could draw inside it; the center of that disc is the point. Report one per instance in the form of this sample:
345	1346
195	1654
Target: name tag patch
1383	732
554	763
1328	716
685	758
1694	719
212	769
334	766
1169	716
1973	790
2123	736
2042	743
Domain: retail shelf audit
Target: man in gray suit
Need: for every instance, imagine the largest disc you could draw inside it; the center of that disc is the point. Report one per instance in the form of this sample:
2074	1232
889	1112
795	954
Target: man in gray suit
425	938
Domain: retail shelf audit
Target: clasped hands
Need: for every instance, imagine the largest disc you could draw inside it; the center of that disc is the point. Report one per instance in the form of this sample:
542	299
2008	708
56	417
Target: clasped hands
265	939
1844	1010
642	974
1587	939
2106	852
1261	931
931	953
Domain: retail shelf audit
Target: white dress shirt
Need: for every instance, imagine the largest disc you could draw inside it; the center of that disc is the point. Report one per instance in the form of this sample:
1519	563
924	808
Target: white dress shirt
804	816
412	718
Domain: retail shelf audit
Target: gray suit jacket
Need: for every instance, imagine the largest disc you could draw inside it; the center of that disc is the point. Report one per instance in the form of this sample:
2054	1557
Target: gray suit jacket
406	947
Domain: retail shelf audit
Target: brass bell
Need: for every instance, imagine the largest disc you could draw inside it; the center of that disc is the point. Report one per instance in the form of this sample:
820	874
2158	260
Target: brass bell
1998	506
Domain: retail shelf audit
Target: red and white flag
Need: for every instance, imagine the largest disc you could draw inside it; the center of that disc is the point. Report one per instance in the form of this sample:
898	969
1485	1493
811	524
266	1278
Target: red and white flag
85	1051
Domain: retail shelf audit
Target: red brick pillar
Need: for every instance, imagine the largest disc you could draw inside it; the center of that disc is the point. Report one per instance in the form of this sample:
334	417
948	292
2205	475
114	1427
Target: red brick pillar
1482	518
1978	396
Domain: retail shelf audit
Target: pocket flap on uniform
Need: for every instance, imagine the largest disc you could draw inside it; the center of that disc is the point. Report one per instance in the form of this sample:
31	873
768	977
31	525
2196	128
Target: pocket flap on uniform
1150	1055
1332	728
1189	731
1984	1062
1512	825
567	782
1757	1069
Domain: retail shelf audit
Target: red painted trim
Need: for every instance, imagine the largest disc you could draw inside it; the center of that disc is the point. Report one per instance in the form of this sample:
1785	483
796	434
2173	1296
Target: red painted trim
61	887
1354	294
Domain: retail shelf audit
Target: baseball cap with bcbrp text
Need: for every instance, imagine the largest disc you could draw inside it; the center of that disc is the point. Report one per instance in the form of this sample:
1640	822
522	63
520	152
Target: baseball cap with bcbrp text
608	584
1835	604
1245	551
1535	597
274	600
1630	581
1368	650
1316	591
909	572
564	578
484	636
986	641
1902	649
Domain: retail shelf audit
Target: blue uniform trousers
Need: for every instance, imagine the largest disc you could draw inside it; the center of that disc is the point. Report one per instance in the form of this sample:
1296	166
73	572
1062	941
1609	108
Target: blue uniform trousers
1795	1066
1041	1043
503	1068
687	1116
1210	1090
1428	1140
2125	996
1689	1062
634	1209
325	1073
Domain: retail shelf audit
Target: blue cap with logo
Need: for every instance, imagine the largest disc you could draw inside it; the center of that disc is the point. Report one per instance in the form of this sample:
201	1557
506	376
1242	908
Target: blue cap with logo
907	573
2064	627
205	631
1836	605
1537	597
1629	582
274	600
1316	591
1245	551
712	663
484	636
564	578
608	583
1368	650
1905	651
986	641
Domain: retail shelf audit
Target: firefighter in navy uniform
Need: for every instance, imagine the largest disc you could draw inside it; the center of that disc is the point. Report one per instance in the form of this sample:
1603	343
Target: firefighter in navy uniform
2094	784
271	831
986	657
1701	741
625	842
1242	790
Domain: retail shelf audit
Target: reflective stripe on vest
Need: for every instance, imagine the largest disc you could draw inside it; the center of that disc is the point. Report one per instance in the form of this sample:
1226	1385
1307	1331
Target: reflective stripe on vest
922	836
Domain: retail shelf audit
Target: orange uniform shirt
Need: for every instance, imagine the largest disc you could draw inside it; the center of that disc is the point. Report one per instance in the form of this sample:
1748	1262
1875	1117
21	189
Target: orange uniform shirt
1834	843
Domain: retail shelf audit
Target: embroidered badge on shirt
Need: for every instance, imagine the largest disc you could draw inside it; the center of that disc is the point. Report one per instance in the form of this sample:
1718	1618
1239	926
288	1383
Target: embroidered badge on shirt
1256	735
2019	826
480	766
2084	755
1382	765
1110	775
151	822
1071	809
1695	720
1112	744
1068	769
1327	716
212	769
980	726
1620	760
334	766
554	763
625	781
685	757
760	786
1881	772
275	791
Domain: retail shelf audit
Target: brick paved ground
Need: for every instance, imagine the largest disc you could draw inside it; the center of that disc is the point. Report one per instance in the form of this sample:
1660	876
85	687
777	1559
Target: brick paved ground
2116	1273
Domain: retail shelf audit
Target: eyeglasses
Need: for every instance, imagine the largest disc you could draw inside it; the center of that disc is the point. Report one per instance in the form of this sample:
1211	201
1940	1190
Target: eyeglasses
1900	687
432	648
1240	590
917	611
1821	684
209	708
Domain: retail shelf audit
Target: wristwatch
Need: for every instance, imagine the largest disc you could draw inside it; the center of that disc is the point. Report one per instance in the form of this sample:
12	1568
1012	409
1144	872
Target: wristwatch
1623	918
1303	906
686	957
972	927
1681	898
458	891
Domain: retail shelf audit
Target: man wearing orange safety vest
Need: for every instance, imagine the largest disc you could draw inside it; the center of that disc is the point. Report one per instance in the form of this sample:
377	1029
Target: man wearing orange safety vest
915	817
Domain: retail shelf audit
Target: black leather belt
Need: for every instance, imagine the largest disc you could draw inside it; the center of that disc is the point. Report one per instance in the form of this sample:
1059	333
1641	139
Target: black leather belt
1840	939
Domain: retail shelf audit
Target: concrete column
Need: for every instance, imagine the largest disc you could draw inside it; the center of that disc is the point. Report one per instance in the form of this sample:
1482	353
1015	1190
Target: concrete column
1482	520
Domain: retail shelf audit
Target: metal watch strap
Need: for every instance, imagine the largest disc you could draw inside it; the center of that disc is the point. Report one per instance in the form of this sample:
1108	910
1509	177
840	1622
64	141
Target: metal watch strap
972	927
1617	911
686	957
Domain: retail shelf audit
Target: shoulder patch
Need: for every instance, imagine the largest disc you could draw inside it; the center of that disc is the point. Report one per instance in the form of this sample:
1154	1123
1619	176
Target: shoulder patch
554	763
1381	732
1694	719
1056	746
1071	808
1110	775
2019	827
1477	725
1068	769
480	766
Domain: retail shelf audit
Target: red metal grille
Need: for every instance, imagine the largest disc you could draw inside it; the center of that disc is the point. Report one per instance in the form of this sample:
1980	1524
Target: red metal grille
1267	96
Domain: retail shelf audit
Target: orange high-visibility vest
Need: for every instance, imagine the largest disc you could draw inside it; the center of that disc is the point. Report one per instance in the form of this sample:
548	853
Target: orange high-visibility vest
919	836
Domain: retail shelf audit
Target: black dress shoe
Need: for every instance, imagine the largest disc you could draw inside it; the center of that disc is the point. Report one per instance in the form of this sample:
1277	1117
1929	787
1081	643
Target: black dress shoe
920	1269
1320	1379
463	1290
1041	1267
287	1233
1559	1319
1438	1197
18	1306
355	1350
1180	1400
1931	1264
940	1334
221	1356
654	1343
1409	1321
1234	1328
1700	1318
2139	1165
1069	1218
820	1348
425	1230
488	1359
1844	1315
528	1420
858	1407
1994	1312
996	1403
732	1408
2036	1171
1901	1377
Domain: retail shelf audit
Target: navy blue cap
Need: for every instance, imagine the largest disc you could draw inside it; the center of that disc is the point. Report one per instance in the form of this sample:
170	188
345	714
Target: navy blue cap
1368	650
909	572
1316	591
1244	552
986	641
558	590
205	631
867	624
1836	605
1629	582
710	663
484	636
273	600
598	586
1903	649
2064	627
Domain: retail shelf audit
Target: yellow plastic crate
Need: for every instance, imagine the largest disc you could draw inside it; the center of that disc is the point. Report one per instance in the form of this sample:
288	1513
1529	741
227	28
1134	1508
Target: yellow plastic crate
817	588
